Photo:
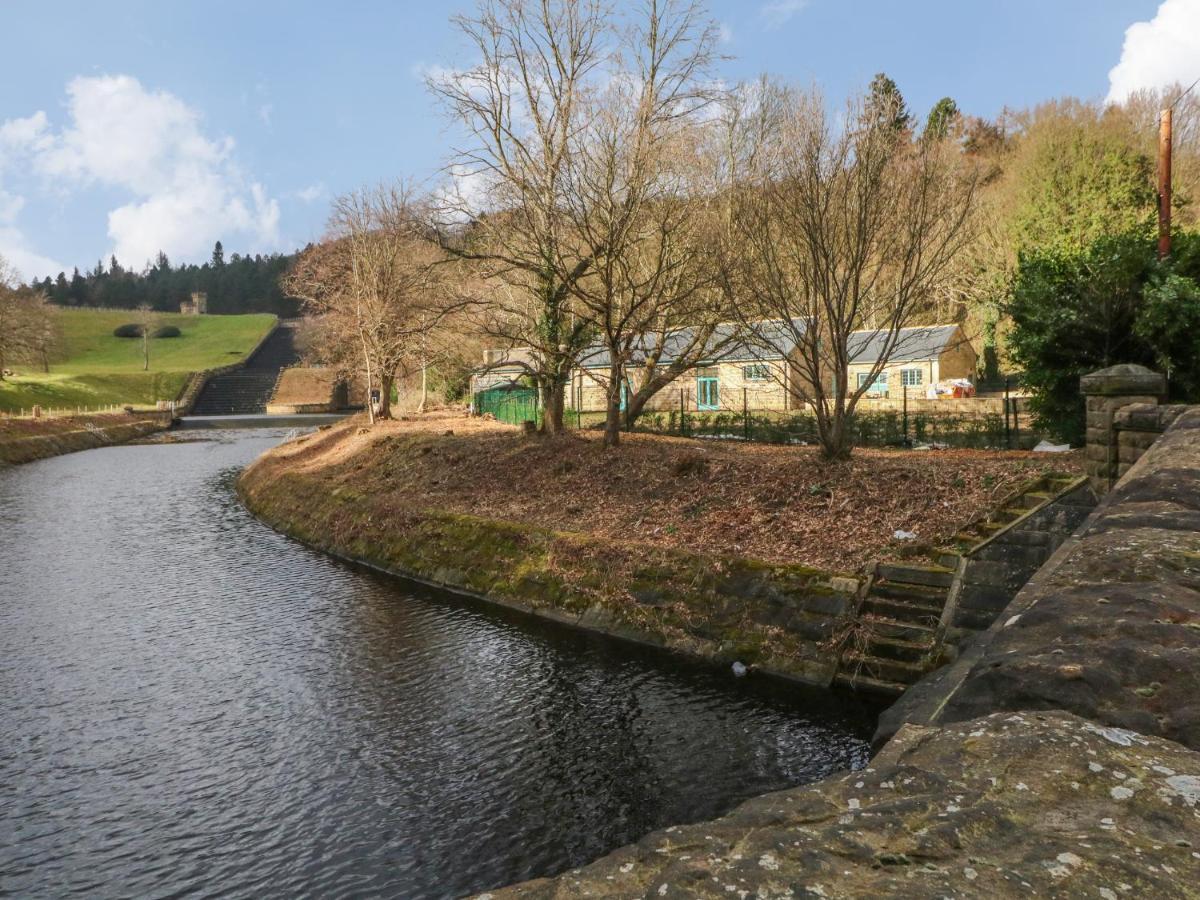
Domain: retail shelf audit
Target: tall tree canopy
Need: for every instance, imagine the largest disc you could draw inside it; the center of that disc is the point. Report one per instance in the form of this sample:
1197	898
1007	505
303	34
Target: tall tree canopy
242	284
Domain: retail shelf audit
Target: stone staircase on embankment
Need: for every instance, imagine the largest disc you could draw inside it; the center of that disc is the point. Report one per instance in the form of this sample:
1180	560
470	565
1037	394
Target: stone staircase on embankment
912	617
247	390
895	636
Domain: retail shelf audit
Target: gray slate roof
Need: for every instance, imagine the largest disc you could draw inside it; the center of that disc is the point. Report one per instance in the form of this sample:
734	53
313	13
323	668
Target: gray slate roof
773	339
729	341
912	344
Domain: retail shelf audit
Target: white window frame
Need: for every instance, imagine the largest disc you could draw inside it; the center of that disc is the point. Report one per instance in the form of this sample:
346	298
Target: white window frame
912	377
755	372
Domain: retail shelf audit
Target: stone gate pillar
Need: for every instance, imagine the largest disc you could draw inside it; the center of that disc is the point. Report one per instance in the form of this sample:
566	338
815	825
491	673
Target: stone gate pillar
1107	391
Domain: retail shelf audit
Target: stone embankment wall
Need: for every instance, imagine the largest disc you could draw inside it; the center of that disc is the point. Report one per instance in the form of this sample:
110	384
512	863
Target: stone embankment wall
1058	756
782	619
15	448
991	574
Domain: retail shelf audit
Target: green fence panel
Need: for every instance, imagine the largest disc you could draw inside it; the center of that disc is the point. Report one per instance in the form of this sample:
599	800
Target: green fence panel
511	406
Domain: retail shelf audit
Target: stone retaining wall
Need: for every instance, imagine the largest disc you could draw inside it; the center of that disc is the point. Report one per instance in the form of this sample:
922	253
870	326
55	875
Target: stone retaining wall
991	574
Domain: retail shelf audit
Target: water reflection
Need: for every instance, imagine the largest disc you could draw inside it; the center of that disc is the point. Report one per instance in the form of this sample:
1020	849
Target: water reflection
191	703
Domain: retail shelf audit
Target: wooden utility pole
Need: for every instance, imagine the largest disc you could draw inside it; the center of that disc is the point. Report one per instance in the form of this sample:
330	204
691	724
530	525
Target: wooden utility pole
1164	185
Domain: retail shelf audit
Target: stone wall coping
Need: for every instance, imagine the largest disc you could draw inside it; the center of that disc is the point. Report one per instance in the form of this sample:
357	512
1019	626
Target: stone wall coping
1122	380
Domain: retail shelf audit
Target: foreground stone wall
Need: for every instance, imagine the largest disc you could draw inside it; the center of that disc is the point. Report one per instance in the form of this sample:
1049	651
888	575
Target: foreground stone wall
1056	757
1007	805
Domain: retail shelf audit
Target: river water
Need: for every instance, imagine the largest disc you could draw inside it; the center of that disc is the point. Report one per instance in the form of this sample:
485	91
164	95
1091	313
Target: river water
193	705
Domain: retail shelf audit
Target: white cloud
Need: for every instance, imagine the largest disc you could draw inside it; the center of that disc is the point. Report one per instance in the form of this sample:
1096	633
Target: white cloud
311	193
778	12
187	191
1160	52
29	264
724	33
24	135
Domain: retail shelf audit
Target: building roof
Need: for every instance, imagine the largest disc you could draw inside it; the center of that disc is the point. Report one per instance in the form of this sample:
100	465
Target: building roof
912	344
769	339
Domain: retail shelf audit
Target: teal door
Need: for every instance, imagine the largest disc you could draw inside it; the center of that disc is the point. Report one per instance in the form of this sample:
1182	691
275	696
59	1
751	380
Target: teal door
707	393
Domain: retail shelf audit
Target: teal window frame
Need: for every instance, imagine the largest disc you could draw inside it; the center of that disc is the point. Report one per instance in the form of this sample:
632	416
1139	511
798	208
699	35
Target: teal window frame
708	392
880	384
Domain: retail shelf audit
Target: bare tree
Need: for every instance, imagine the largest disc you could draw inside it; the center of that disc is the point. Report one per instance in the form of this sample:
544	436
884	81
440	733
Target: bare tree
636	207
146	320
522	105
28	323
376	287
837	229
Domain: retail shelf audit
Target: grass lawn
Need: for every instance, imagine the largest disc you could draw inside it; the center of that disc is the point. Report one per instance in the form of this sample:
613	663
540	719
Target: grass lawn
97	369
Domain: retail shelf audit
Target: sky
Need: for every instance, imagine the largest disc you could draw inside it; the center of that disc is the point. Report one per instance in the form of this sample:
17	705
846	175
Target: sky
133	126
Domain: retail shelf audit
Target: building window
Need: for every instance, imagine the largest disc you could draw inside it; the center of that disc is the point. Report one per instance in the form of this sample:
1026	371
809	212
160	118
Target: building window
707	393
757	372
911	377
880	385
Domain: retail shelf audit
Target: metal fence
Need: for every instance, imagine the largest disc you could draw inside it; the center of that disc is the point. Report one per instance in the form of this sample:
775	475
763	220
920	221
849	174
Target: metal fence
510	405
868	428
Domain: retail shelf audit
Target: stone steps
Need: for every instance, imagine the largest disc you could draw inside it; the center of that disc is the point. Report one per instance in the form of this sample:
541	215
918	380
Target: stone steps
900	648
247	391
881	668
898	621
867	684
934	576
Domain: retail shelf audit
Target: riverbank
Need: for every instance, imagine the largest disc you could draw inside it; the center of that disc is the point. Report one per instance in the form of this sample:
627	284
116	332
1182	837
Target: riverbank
26	440
724	553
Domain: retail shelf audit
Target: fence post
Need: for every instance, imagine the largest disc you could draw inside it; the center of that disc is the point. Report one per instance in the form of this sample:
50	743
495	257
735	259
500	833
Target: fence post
745	416
1007	435
904	384
1016	424
682	429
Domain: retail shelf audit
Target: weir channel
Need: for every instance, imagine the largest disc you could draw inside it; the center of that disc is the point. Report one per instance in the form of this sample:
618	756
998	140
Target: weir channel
191	703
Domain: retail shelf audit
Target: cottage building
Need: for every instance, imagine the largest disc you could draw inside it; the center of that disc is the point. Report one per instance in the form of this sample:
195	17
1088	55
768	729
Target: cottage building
921	358
758	371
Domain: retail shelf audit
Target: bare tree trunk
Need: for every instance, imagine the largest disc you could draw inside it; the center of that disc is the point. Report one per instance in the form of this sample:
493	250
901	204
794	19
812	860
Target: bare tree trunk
553	407
424	386
612	416
386	382
146	347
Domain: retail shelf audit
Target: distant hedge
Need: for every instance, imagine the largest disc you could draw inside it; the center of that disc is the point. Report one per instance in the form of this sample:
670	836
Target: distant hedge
166	331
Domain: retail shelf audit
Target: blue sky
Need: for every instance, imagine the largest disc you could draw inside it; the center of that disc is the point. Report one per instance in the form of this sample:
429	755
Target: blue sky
129	124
